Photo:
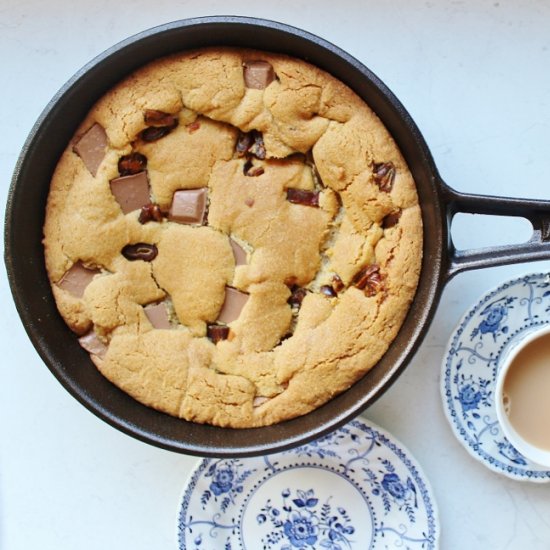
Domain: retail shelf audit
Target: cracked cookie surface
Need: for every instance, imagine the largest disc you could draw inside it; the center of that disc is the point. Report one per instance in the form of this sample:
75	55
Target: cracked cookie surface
234	237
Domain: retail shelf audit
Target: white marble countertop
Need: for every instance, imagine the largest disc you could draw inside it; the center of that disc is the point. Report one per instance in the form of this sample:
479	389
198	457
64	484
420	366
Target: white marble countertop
474	75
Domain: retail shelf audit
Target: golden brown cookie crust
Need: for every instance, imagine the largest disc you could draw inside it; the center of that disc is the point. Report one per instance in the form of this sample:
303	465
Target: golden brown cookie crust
328	284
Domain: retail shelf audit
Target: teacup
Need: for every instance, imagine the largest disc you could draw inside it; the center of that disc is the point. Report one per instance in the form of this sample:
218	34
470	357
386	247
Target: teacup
522	396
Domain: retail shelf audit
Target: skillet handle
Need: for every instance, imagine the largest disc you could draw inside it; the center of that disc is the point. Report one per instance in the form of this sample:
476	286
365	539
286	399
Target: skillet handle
536	248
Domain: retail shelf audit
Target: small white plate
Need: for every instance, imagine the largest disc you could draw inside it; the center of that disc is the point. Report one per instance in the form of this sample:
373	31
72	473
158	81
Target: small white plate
357	488
499	320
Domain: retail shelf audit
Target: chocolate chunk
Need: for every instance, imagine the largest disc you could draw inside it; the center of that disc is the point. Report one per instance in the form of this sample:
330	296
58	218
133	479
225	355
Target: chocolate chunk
234	302
251	143
258	74
217	333
92	344
238	252
131	192
140	251
391	219
327	290
152	117
188	206
150	212
384	175
368	279
257	148
77	279
301	196
252	171
297	296
193	127
160	125
157	315
132	164
154	133
244	142
91	147
337	283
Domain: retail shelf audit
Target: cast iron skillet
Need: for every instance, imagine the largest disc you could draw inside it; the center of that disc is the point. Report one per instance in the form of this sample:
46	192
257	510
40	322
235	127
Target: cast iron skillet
59	348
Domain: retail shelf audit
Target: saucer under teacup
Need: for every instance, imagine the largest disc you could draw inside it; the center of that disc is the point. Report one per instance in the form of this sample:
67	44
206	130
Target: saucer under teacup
484	336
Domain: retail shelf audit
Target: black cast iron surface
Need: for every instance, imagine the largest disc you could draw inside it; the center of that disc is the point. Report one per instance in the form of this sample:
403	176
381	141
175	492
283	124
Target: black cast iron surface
59	348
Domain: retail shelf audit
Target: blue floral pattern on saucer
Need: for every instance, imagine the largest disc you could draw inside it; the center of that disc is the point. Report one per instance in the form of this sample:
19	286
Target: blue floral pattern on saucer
354	489
485	334
304	521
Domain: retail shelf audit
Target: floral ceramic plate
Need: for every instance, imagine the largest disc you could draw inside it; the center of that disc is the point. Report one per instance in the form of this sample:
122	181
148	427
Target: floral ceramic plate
357	488
483	337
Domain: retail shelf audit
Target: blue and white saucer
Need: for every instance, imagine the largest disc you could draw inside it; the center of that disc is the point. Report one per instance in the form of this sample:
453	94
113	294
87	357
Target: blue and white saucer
357	488
485	334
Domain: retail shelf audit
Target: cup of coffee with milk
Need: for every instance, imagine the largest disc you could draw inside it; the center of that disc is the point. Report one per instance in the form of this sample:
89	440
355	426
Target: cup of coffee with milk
522	396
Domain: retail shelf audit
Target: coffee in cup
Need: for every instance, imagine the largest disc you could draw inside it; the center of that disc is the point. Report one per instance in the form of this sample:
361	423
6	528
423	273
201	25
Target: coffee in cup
522	396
